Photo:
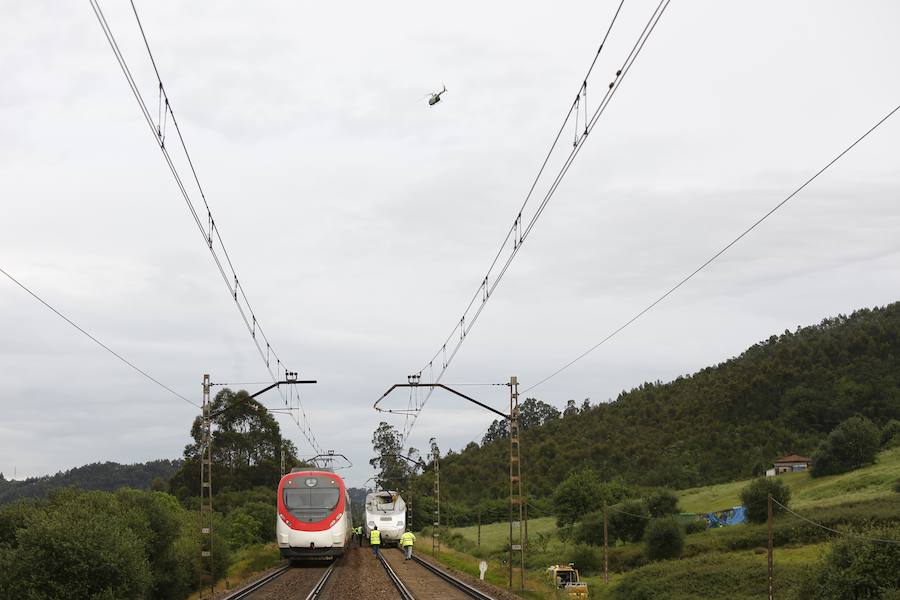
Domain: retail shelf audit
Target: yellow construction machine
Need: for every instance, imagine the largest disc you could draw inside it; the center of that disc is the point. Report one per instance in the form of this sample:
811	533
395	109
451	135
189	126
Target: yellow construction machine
565	579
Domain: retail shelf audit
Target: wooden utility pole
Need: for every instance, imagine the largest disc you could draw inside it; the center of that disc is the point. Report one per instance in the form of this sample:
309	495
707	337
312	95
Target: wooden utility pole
516	498
207	567
771	560
479	529
605	547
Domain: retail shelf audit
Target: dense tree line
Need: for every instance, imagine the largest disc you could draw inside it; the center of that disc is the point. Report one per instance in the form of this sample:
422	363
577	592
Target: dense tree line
145	544
107	476
100	545
782	395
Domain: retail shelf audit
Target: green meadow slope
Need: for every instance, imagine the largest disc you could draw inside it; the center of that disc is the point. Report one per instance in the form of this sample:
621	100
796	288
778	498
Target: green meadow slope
717	563
806	491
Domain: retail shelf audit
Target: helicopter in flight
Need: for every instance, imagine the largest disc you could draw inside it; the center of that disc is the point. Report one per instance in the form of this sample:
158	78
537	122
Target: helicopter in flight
436	97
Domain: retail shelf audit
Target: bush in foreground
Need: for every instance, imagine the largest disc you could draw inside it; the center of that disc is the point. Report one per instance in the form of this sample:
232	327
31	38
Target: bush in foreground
100	545
855	568
851	445
755	497
664	538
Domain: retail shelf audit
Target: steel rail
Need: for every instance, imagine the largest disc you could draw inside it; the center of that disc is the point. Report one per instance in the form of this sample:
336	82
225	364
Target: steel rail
245	592
404	593
457	583
316	591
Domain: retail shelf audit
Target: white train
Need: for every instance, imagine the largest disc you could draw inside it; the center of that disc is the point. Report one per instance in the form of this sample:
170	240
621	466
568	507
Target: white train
313	515
387	510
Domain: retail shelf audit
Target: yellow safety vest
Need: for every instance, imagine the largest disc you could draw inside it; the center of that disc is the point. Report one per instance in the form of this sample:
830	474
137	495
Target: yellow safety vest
375	537
407	539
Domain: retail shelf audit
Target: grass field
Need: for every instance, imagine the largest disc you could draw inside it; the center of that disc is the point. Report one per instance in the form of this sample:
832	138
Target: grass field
862	484
717	563
733	575
495	535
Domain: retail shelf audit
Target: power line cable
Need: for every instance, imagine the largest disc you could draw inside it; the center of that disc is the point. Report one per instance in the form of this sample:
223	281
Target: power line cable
630	514
97	341
683	281
844	533
210	230
518	232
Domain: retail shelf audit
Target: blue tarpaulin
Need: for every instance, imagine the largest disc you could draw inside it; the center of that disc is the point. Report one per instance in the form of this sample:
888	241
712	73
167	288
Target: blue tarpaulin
723	518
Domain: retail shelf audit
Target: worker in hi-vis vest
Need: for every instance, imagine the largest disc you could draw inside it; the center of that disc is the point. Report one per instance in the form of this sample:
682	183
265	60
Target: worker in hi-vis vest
406	542
375	540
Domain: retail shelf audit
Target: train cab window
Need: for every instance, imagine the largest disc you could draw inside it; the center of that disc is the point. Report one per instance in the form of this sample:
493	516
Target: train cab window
311	504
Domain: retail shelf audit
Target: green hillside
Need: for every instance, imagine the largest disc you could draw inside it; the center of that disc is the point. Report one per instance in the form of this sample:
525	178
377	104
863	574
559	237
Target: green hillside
726	422
716	563
869	483
863	484
108	476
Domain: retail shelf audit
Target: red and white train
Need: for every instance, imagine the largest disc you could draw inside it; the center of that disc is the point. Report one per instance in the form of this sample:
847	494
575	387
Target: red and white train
313	515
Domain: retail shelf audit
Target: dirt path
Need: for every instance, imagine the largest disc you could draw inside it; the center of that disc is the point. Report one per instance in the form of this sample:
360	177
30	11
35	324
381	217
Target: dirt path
359	575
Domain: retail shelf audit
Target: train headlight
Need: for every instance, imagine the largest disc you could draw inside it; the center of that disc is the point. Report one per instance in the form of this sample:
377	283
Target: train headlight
371	524
400	524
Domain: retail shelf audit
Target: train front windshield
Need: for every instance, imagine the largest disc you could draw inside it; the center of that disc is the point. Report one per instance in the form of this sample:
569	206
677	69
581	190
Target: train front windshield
311	503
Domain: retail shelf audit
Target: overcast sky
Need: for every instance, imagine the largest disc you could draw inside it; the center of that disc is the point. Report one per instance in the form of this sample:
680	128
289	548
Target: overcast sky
361	220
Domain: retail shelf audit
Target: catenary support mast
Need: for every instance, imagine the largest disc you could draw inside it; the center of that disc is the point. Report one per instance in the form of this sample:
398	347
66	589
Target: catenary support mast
207	571
516	497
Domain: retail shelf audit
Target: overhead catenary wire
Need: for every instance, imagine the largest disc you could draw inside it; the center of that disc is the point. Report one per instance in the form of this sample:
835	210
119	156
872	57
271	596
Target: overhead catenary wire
836	531
519	231
97	341
629	514
207	226
719	253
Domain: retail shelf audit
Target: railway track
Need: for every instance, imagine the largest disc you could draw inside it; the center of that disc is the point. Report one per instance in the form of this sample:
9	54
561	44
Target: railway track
247	591
392	575
420	580
286	582
457	583
320	586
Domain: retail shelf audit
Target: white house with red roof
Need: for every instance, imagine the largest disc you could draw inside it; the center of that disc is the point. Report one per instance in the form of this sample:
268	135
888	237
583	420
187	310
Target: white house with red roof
789	464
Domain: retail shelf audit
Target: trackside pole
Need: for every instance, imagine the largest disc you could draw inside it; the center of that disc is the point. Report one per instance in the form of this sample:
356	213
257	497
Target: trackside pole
516	497
207	567
479	529
436	534
770	557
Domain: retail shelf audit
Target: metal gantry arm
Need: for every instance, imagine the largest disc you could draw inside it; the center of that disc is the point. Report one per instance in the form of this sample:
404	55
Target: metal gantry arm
287	381
517	502
329	457
433	385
